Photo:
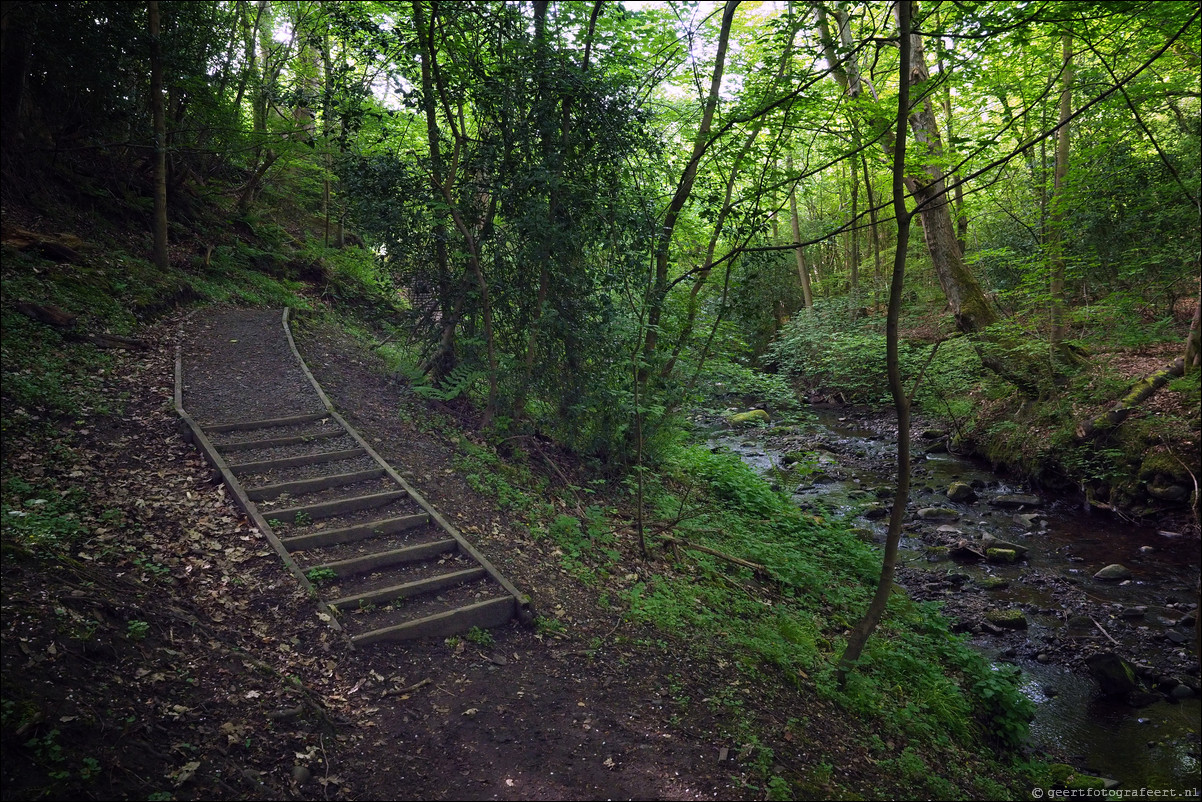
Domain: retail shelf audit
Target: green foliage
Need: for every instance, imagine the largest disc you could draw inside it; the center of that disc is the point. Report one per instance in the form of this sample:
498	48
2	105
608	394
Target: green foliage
137	630
459	381
321	576
38	518
480	637
831	355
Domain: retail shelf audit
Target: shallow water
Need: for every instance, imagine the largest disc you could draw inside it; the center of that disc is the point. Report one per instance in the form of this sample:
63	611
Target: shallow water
1155	746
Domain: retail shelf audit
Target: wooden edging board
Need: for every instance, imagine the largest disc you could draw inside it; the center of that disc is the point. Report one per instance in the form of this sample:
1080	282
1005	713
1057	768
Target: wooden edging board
525	613
196	435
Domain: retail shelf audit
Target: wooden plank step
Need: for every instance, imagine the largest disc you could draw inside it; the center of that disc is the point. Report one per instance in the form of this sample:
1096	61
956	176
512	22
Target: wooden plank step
370	562
246	426
309	485
385	595
275	442
263	466
327	509
485	614
351	534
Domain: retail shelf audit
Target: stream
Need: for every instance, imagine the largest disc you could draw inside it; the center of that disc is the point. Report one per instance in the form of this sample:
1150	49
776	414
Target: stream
841	462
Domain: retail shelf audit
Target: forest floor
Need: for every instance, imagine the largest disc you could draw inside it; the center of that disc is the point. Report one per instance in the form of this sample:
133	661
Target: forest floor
172	656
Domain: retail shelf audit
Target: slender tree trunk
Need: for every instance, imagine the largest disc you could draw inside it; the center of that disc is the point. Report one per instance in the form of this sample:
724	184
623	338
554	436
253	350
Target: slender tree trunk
803	272
160	138
958	191
684	188
876	608
872	221
443	359
1193	342
1059	178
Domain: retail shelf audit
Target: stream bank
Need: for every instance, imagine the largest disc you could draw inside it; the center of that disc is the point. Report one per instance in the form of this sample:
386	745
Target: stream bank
1016	571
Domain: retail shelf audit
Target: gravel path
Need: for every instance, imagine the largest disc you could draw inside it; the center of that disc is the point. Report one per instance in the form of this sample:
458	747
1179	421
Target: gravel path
237	366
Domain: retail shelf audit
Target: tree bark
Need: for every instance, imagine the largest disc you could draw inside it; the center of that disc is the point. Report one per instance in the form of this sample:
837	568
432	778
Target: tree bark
876	608
160	138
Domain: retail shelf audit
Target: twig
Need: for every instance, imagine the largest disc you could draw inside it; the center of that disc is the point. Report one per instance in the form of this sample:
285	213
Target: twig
325	786
410	689
1104	632
761	569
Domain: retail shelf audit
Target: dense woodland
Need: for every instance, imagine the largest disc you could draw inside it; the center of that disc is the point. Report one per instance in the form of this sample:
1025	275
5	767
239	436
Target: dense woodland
579	223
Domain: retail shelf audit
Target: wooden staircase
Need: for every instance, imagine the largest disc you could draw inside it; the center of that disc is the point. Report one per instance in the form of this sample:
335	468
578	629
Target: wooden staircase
383	563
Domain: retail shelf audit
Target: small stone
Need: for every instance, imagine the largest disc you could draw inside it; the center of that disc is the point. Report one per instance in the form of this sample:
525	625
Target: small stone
1182	691
301	775
937	514
1113	573
1043	658
1015	500
1139	611
1175	637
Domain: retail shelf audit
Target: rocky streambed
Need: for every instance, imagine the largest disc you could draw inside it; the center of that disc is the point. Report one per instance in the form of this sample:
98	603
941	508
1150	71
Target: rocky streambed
1098	612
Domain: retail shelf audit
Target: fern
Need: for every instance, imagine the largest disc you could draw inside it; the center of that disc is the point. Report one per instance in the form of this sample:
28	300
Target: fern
454	384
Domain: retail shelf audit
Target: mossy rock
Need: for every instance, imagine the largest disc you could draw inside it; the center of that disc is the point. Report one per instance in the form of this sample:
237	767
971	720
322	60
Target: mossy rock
992	583
750	417
1085	782
1009	619
1001	555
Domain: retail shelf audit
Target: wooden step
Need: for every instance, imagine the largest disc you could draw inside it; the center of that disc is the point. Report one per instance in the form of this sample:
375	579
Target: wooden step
276	442
327	509
309	485
371	562
295	462
485	614
246	426
350	534
385	595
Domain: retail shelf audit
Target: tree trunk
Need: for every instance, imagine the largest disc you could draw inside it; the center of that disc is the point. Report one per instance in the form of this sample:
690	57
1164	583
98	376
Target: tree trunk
1139	392
876	608
926	182
803	272
160	138
927	185
1193	342
443	359
1059	176
684	188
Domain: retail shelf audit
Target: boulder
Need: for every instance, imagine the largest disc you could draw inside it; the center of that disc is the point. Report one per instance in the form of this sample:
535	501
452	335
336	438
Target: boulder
1114	675
1016	500
1007	619
996	555
961	492
937	514
990	542
750	417
875	511
1114	572
1172	493
992	583
1138	611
